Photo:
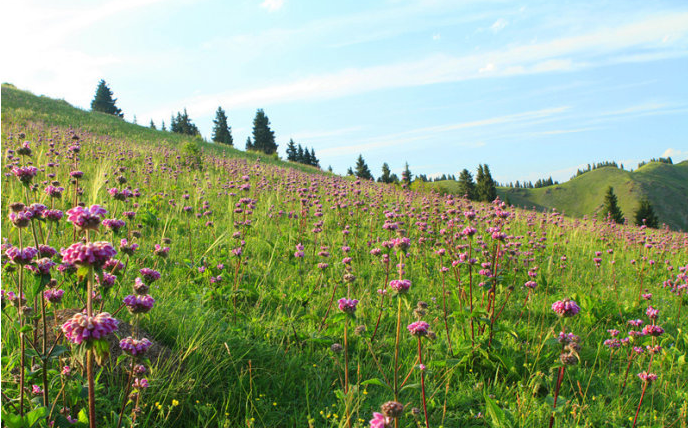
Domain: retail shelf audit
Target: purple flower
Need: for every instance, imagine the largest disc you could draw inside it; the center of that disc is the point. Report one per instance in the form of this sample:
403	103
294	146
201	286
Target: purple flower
379	420
348	306
107	280
127	248
531	284
82	327
135	347
418	328
53	191
400	285
53	215
76	174
652	313
139	304
53	296
25	173
23	256
150	275
565	308
46	250
140	383
161	251
43	266
85	218
653	330
113	224
36	390
647	377
140	287
21	218
89	253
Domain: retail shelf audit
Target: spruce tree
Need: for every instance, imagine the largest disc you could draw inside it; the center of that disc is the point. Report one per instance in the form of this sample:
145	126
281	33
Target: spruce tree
182	124
152	125
486	188
263	136
222	132
249	144
362	170
350	171
307	157
103	101
611	208
406	175
291	151
314	161
162	127
386	176
466	185
645	215
299	154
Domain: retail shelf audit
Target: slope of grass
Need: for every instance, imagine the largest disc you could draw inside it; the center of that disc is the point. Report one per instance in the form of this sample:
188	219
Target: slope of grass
666	186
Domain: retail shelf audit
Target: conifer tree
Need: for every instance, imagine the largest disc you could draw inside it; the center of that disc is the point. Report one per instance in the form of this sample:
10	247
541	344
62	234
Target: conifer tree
299	154
611	208
263	136
182	124
350	172
486	188
222	132
162	127
103	101
645	215
152	125
406	175
386	176
466	184
306	157
329	168
249	144
291	151
314	161
362	170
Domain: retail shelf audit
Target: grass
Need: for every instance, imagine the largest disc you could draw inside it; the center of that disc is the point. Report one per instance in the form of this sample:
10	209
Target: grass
254	348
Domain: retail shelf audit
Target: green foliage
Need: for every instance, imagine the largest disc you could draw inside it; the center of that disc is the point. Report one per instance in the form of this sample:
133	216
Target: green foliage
103	101
485	187
182	124
362	170
222	132
406	175
466	185
611	208
263	136
387	176
645	215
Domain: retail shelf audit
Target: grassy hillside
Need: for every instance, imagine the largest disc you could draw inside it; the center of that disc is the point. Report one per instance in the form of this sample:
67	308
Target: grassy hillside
666	186
22	108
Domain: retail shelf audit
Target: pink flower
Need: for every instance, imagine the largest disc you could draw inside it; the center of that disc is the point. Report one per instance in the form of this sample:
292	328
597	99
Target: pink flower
85	218
647	377
82	327
135	347
565	308
89	253
379	420
25	173
53	296
139	304
418	328
348	306
150	275
400	285
23	256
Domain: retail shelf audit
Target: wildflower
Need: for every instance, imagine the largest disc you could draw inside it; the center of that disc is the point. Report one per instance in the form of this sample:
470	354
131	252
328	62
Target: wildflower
135	347
140	369
82	327
21	218
140	383
653	330
88	254
36	390
53	191
565	308
531	284
348	306
161	251
336	348
140	287
25	174
652	313
113	224
42	266
126	247
139	304
85	218
149	275
418	328
400	285
53	215
46	250
379	421
23	256
647	377
66	371
53	296
392	409
175	403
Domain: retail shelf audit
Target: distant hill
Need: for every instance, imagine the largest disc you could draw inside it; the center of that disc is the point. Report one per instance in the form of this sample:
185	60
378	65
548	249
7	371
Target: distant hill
665	185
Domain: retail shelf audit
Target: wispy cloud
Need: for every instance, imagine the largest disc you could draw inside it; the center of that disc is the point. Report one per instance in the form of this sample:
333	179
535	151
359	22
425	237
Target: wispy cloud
594	48
272	5
314	135
499	25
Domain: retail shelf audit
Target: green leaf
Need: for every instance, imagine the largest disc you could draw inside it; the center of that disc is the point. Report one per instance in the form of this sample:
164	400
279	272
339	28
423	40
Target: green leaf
10	420
82	417
57	351
28	328
376	381
35	415
410	386
82	271
499	418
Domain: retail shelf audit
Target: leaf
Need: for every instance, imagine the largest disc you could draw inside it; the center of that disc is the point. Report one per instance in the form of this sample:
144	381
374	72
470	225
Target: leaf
496	413
57	351
10	420
82	417
35	415
28	328
410	386
376	381
82	271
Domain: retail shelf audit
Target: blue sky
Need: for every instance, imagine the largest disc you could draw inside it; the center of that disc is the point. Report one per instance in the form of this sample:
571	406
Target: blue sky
532	88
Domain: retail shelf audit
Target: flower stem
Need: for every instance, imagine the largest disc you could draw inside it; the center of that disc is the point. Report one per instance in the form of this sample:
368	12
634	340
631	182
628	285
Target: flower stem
422	383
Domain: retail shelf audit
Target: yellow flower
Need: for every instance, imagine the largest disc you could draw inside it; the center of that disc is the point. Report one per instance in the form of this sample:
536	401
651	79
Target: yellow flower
175	403
274	404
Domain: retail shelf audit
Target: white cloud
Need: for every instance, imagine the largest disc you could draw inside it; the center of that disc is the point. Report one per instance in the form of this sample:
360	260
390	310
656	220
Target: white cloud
436	36
499	25
557	55
675	154
272	5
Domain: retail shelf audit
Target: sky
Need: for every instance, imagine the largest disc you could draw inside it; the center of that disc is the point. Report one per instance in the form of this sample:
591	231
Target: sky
531	88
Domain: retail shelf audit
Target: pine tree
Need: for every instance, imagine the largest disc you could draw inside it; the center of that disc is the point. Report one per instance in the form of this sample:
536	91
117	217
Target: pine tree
182	124
329	168
162	127
645	215
386	176
263	136
103	101
152	125
466	184
314	161
249	144
486	189
362	170
406	175
299	154
222	132
350	172
291	151
307	157
611	208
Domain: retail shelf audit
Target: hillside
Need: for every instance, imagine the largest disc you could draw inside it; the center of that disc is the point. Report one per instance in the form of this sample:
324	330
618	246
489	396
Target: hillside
22	107
666	186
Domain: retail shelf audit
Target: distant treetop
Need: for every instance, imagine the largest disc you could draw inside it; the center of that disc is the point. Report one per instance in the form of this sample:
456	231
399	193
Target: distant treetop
103	101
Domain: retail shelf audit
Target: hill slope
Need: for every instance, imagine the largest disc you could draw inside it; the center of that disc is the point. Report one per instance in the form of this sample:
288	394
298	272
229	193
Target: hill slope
22	107
666	186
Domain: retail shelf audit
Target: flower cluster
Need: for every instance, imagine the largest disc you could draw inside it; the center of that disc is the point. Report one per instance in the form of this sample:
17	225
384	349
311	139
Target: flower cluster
566	308
53	295
400	285
85	218
88	254
419	328
82	327
348	305
135	347
139	304
150	275
23	256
